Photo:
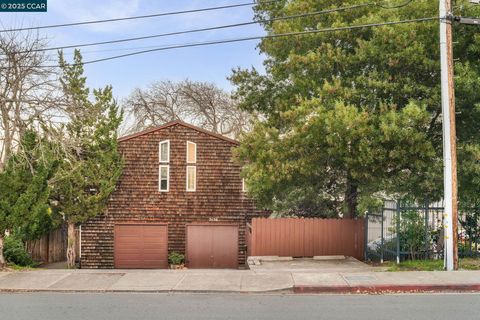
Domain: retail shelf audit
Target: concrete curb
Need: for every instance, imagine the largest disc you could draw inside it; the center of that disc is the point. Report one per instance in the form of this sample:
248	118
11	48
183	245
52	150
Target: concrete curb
278	291
377	289
372	289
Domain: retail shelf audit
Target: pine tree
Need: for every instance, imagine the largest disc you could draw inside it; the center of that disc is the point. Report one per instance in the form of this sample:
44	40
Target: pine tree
93	164
350	114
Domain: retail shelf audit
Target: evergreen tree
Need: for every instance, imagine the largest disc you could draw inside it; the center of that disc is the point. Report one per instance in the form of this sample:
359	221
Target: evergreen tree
93	165
350	114
25	190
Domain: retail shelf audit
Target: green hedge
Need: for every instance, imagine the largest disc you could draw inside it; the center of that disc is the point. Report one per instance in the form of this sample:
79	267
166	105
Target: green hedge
15	252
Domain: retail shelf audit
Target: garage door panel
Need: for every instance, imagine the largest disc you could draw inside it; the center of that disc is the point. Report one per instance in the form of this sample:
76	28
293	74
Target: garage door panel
154	246
225	247
130	258
128	251
152	242
150	265
129	230
128	243
212	246
150	234
198	247
141	246
129	239
153	253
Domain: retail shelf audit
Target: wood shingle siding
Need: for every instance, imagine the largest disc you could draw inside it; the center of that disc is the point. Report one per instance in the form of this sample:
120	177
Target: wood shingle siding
218	197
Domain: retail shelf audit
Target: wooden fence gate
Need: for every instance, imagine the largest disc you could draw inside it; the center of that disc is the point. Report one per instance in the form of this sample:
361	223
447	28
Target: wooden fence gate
297	237
52	247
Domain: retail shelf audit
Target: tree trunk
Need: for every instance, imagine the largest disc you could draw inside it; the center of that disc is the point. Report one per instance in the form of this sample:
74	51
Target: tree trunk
351	200
71	254
3	263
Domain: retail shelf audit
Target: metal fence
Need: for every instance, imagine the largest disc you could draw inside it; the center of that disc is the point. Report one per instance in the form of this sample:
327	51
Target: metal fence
469	232
404	230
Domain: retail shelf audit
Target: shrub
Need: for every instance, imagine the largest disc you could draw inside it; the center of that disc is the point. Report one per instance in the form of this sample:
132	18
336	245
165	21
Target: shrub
176	258
411	233
15	252
467	250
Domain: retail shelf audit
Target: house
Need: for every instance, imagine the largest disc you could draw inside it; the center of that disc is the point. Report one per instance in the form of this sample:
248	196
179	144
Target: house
180	191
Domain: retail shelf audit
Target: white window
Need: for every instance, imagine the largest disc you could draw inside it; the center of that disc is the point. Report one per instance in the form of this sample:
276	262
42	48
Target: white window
191	178
164	168
164	151
244	186
163	177
191	152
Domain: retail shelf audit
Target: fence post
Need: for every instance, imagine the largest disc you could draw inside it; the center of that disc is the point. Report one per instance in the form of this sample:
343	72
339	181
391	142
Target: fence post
470	252
398	231
365	242
476	245
382	242
427	240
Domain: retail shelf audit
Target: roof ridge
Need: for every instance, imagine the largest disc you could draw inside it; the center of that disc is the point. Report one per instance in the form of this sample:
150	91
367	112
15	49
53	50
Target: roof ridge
177	122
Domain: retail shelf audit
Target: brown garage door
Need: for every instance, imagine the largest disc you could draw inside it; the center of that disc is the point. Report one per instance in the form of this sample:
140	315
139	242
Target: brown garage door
141	246
212	246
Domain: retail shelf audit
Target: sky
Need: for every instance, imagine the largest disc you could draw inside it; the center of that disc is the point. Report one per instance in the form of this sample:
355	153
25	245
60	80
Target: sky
207	63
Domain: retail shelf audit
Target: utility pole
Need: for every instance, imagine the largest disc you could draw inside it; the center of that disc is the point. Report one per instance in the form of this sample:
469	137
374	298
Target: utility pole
450	217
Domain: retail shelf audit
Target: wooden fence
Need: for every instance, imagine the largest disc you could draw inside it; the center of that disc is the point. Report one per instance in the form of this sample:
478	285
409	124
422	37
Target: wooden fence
52	247
297	237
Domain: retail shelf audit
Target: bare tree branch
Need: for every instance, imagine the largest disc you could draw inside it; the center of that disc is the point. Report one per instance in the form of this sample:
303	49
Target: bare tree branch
28	91
200	103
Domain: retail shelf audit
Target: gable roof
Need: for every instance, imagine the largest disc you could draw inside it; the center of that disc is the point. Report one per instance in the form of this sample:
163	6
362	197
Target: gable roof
181	123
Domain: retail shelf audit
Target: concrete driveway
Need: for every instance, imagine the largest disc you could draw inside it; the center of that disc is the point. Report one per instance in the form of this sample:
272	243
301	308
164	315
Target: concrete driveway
306	265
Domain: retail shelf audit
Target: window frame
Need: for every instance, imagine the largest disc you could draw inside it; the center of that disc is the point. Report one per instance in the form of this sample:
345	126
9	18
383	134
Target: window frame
160	151
194	179
160	166
195	152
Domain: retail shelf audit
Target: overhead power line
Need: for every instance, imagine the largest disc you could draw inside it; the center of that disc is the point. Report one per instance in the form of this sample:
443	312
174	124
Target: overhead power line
171	13
272	36
161	14
241	24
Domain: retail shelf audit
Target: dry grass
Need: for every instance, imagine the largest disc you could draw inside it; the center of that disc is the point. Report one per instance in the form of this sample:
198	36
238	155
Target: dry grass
470	263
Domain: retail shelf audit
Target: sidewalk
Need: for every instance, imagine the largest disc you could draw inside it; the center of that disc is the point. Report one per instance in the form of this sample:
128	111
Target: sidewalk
386	282
245	281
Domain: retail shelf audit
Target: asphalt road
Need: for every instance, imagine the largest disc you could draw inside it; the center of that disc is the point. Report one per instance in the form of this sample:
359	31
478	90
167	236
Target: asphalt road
119	306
